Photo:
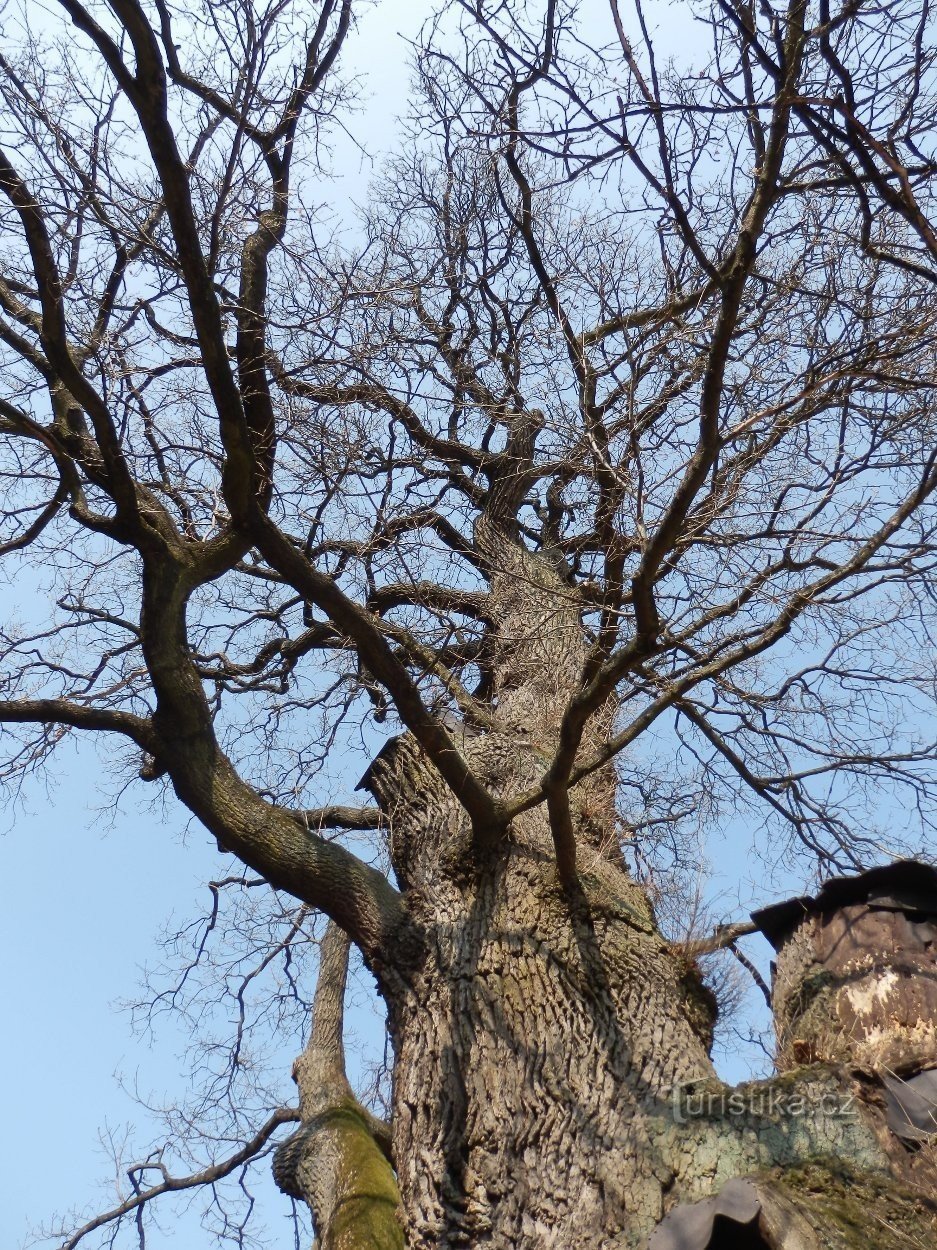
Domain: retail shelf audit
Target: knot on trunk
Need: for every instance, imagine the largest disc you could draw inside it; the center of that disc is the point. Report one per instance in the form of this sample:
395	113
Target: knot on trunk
286	1159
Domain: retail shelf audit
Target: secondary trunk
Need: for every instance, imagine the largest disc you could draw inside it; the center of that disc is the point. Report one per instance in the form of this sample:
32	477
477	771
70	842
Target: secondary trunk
334	1162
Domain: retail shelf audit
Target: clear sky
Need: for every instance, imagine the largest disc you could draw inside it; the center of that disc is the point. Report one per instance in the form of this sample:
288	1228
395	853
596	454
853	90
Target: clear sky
86	891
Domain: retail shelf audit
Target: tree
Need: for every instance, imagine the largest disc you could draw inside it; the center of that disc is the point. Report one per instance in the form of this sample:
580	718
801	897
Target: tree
597	468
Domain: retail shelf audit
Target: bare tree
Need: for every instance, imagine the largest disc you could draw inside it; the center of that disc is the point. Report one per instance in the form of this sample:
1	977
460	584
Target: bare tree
589	486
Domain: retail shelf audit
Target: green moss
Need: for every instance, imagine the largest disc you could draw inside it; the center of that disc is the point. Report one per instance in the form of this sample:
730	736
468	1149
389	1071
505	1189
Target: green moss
850	1209
365	1214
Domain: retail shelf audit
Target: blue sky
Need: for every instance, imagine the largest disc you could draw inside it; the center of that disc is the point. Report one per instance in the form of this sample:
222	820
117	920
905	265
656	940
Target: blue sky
82	904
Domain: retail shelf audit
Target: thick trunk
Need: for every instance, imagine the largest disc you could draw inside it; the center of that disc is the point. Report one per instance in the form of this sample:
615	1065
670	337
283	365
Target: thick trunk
534	1048
539	1031
552	1082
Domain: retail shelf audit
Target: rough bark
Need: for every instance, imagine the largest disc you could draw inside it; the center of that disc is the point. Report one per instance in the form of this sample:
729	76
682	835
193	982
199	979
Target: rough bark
552	1082
552	1079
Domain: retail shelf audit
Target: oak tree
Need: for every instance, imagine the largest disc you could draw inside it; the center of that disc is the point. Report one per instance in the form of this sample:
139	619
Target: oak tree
587	484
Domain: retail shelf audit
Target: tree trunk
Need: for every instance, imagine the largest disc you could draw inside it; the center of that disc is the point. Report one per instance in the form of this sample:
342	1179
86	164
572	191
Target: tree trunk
334	1162
530	1037
552	1082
